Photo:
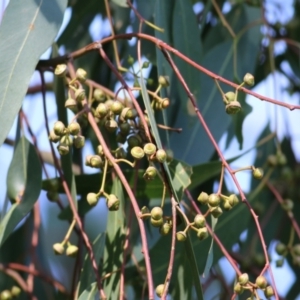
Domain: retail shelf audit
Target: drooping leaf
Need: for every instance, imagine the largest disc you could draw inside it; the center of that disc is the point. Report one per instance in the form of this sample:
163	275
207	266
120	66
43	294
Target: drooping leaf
87	287
66	160
22	42
114	243
23	186
122	3
210	255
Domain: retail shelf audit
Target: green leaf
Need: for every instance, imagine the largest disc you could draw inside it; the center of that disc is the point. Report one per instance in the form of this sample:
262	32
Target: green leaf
184	279
22	42
66	160
89	293
87	287
114	244
210	256
23	185
122	3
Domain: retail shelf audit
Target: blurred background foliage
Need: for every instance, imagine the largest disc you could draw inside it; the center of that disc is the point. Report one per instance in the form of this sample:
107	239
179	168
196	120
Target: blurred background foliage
229	38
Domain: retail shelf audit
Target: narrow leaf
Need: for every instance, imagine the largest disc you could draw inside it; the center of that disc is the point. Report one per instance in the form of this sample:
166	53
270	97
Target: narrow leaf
114	244
87	286
210	256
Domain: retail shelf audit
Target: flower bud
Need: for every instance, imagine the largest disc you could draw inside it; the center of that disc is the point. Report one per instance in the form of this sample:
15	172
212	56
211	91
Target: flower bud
58	248
72	251
229	97
199	221
233	107
159	290
269	292
137	152
81	75
99	95
92	199
156	223
79	141
74	128
156	213
203	198
243	279
165	228
79	94
258	173
261	282
116	107
161	155
214	200
60	70
249	79
202	233
163	81
112	202
150	173
181	236
216	211
59	128
149	148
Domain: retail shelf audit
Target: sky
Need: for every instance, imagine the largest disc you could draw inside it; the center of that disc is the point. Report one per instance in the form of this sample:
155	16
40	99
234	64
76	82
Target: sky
275	86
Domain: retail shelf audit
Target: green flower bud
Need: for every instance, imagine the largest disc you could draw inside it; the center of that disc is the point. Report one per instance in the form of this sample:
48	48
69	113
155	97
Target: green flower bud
72	251
113	203
233	107
79	141
99	95
181	236
238	289
15	291
159	290
74	128
5	295
216	211
79	94
214	200
116	107
261	282
165	228
281	249
81	75
269	292
229	97
161	155
258	173
156	223
202	233
92	199
60	70
137	152
149	148
58	248
156	213
53	137
243	279
59	128
63	149
150	173
203	198
199	221
71	104
249	79
163	81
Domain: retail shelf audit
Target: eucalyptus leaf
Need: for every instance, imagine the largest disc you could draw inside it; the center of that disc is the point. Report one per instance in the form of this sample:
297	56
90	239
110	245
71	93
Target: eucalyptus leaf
22	42
23	186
